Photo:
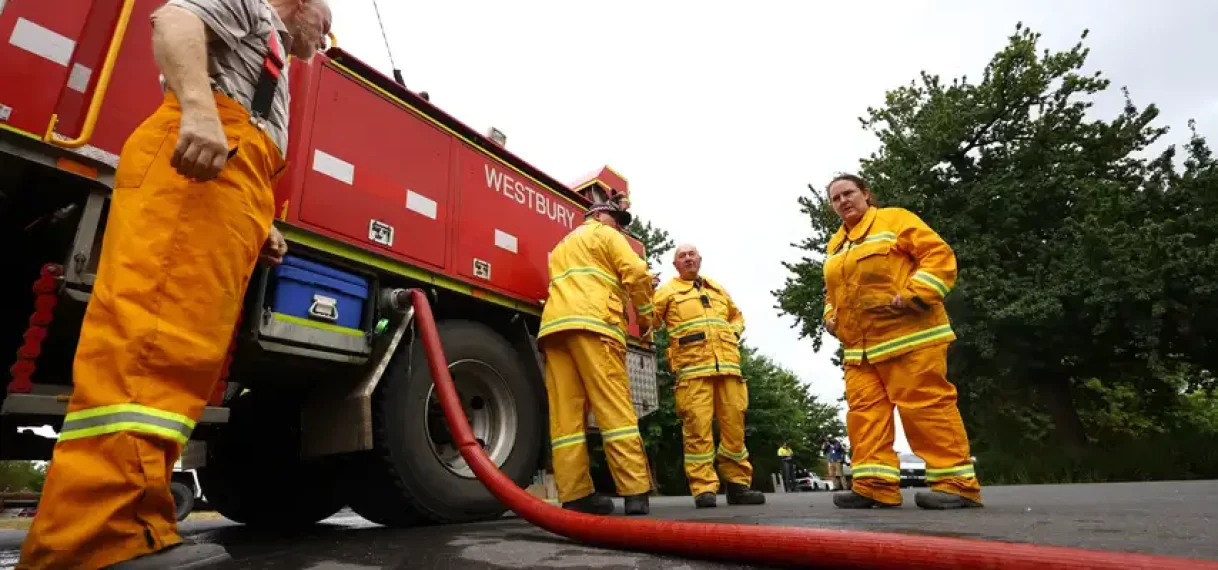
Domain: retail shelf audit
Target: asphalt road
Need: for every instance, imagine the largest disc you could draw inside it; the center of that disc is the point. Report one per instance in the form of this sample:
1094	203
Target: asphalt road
1167	518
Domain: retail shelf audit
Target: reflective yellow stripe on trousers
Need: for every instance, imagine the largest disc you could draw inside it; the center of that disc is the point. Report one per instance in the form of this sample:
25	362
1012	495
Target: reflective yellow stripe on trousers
963	471
567	441
741	456
876	470
126	417
619	433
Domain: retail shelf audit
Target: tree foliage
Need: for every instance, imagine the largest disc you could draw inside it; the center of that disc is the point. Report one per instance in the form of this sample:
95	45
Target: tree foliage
1088	266
18	476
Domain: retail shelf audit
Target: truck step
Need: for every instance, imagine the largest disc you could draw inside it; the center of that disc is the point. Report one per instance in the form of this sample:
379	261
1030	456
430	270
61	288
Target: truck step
57	405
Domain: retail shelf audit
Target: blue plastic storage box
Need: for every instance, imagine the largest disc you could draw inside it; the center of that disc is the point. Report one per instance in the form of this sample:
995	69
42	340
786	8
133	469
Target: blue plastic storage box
315	292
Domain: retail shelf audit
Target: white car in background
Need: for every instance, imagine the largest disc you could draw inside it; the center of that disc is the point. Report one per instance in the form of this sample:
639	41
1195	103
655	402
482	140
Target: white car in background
913	470
812	482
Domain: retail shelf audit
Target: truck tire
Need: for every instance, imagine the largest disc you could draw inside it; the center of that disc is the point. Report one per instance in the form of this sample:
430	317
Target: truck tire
254	475
183	499
412	477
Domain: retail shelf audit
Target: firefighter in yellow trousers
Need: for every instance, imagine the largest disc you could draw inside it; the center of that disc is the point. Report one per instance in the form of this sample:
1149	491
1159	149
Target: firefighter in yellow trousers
886	276
704	328
593	274
190	215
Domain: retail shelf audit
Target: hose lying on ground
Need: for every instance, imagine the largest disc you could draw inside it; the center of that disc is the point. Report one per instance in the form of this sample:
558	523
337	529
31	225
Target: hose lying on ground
756	544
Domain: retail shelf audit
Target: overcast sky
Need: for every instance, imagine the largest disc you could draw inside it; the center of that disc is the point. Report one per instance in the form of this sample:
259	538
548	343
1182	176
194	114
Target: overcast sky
720	117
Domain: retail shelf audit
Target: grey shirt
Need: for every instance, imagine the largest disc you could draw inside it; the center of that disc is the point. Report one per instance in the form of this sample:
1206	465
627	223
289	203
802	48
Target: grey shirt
242	28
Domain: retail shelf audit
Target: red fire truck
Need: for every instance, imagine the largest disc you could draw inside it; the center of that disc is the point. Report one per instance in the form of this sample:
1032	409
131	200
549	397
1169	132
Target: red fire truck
319	407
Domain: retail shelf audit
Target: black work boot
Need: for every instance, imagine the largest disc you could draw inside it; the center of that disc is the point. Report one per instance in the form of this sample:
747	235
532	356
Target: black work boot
638	504
853	500
180	556
705	501
592	504
940	500
738	494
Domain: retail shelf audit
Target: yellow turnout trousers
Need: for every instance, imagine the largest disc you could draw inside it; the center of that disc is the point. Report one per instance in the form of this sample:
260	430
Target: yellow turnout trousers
584	367
916	383
177	257
699	401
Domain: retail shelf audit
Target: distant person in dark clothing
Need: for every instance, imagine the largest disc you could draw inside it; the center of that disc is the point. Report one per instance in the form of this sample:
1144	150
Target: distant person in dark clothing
788	466
835	454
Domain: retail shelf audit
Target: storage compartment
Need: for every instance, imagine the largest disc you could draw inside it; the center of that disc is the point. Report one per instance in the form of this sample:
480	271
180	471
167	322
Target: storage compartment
319	294
378	174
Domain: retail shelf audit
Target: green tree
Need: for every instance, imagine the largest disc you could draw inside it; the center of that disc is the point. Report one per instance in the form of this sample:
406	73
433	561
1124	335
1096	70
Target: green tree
656	241
17	476
1086	271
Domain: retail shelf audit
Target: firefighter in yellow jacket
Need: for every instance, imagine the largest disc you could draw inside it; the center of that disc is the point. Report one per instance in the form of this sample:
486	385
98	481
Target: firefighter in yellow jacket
593	274
886	276
704	328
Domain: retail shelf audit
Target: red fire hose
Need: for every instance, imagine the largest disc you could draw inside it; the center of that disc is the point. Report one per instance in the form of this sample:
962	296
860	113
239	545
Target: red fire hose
769	545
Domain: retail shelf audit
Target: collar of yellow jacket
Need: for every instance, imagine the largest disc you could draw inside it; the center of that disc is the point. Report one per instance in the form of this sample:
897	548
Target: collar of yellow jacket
859	231
685	285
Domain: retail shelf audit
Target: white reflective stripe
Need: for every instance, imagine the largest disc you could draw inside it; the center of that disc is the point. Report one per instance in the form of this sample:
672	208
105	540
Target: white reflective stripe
333	166
78	80
567	441
505	240
42	42
419	203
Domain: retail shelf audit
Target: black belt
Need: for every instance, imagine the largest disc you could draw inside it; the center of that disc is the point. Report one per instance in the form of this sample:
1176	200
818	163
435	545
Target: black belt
681	341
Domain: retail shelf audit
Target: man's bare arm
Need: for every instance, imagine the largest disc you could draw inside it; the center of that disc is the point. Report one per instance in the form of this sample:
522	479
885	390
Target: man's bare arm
179	44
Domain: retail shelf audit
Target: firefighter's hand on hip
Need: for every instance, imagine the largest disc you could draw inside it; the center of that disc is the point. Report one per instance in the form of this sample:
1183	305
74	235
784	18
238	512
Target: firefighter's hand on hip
202	147
274	249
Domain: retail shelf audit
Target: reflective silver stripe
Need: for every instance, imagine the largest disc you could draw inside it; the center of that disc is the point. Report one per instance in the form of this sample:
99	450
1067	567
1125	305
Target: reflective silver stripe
863	471
738	456
82	425
618	433
963	471
567	441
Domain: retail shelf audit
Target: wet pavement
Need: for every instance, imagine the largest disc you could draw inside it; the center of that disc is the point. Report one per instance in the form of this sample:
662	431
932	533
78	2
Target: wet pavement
1167	518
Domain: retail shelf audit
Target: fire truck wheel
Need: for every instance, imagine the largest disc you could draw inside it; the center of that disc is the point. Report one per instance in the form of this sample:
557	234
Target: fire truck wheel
183	499
416	475
253	475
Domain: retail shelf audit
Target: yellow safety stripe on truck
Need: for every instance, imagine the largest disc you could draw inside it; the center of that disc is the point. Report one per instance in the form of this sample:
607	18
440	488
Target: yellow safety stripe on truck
347	251
353	253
